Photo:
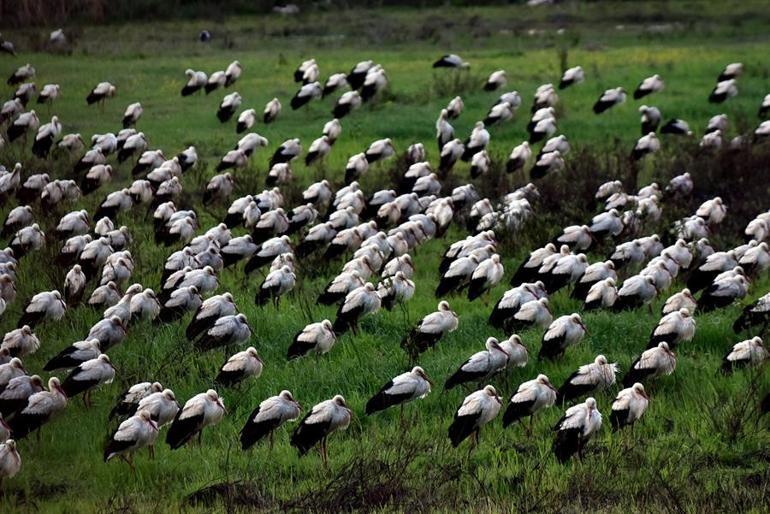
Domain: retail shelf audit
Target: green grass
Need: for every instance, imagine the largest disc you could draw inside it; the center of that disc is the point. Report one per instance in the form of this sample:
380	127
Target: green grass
681	457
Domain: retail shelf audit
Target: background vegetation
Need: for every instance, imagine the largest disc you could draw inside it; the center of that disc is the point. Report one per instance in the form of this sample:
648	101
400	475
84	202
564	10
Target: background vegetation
700	447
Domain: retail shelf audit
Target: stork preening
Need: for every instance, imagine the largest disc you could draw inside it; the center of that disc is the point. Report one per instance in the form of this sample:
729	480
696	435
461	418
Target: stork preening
196	80
629	406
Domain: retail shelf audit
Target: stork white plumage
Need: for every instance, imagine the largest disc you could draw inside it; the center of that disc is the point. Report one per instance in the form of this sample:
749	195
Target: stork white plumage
652	364
674	328
10	460
430	330
649	85
610	98
571	76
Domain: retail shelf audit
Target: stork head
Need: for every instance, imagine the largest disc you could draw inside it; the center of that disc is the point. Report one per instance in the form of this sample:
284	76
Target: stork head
639	389
492	392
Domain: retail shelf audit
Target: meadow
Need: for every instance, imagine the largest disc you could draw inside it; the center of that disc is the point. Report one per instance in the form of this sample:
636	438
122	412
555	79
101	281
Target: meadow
700	447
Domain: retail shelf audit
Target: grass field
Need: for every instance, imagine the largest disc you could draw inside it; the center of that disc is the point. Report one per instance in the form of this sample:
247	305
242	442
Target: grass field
698	448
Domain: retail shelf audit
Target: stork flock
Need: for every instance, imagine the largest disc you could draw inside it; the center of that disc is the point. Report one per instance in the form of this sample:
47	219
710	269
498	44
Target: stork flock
374	239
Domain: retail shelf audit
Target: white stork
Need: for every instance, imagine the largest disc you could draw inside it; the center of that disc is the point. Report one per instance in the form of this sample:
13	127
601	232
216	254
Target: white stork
239	367
430	329
268	417
404	388
271	111
564	332
531	396
196	80
200	411
610	98
230	103
597	376
629	406
478	409
133	434
451	61
40	408
575	428
653	363
322	420
100	93
652	84
128	402
318	338
227	330
748	353
481	365
674	328
571	76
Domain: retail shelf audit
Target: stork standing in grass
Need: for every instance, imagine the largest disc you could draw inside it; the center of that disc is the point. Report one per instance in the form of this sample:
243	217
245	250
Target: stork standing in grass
323	419
402	389
531	396
575	428
478	409
200	411
268	417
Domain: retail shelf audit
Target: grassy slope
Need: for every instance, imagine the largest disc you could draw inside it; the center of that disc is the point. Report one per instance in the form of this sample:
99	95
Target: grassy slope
677	445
